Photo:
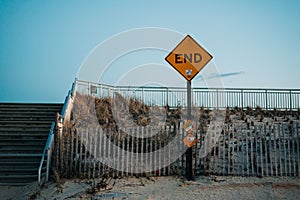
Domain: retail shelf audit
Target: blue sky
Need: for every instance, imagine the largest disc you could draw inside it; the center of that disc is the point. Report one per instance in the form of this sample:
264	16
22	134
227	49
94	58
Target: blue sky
43	43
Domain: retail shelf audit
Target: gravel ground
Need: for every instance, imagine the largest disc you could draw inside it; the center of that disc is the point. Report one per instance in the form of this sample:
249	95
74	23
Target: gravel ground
204	187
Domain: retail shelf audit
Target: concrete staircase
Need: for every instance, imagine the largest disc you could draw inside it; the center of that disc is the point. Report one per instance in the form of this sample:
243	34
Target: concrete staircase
24	129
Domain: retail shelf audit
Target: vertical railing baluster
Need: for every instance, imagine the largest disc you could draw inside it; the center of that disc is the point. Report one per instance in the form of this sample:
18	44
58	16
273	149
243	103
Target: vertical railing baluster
270	150
235	164
62	149
123	138
160	156
71	151
280	151
67	145
219	151
105	148
117	143
99	155
238	159
217	99
76	150
284	150
291	105
108	150
132	152
233	151
242	99
128	152
266	91
289	153
137	136
293	147
116	151
256	152
251	153
90	145
169	130
58	148
224	149
151	160
267	155
81	132
261	151
85	151
136	145
163	155
95	139
228	152
147	150
208	157
143	167
247	152
298	150
275	151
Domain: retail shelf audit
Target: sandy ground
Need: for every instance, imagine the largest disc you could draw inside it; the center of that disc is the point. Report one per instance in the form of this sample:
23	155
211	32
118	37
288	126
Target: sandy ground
204	187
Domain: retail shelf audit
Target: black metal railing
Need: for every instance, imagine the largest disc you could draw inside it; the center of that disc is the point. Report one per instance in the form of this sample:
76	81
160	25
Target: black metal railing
218	98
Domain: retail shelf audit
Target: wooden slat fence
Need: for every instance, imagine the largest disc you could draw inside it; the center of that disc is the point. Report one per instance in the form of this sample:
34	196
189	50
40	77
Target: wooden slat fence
260	150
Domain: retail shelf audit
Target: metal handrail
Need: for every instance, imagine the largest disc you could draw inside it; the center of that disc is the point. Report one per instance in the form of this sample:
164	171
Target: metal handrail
183	88
220	98
49	143
68	97
64	109
46	150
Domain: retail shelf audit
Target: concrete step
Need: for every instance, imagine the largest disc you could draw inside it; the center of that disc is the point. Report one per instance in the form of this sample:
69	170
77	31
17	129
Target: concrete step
17	163
18	169
11	129
20	159
18	180
30	105
27	122
23	136
7	171
21	149
24	122
24	130
28	137
26	117
18	142
24	125
27	114
30	112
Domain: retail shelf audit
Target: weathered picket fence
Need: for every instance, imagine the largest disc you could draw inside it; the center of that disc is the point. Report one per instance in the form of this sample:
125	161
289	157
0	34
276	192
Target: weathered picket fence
260	150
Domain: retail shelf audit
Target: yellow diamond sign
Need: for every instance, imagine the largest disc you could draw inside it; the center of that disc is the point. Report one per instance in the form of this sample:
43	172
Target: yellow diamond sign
188	58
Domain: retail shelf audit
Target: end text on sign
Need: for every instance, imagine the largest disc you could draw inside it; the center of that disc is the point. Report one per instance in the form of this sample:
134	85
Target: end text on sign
190	58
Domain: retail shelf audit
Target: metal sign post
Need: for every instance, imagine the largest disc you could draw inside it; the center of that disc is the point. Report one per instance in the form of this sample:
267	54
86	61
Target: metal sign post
189	152
188	58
